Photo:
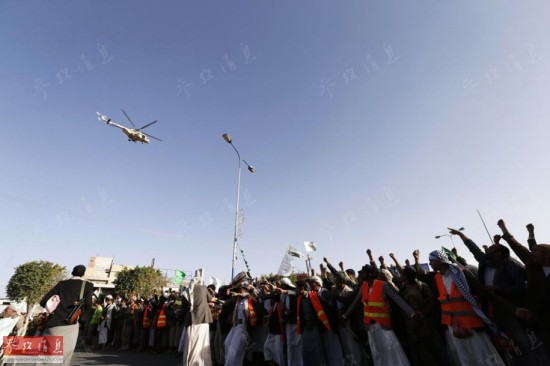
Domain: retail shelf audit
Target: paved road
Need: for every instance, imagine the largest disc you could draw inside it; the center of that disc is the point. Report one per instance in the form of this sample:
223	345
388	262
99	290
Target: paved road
84	356
124	358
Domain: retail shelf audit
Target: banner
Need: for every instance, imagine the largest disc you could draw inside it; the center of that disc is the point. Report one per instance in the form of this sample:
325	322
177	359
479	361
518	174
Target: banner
310	246
285	269
42	350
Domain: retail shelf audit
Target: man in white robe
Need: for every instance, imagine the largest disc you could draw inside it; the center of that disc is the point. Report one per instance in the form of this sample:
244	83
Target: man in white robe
196	334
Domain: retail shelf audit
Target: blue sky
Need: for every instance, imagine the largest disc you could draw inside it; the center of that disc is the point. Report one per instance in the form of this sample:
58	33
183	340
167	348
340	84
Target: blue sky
371	125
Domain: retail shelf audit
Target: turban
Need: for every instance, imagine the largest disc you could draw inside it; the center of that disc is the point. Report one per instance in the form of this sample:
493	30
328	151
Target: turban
439	255
317	280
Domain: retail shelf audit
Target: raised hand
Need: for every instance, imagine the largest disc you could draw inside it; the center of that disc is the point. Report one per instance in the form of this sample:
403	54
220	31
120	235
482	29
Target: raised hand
496	239
503	227
530	228
454	231
416	254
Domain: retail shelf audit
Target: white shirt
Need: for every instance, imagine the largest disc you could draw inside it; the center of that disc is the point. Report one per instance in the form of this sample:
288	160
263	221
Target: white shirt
490	276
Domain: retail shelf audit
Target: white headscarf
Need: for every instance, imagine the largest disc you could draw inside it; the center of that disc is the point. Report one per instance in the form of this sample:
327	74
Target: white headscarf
189	292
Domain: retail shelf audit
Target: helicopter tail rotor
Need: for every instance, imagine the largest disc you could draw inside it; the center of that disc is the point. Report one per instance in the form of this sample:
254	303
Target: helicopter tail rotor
103	118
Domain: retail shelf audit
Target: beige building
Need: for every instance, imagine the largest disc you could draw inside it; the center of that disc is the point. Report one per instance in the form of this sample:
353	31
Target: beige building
102	271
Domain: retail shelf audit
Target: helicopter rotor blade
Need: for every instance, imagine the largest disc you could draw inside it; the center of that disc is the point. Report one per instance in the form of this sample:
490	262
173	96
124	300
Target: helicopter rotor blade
128	118
156	138
147	125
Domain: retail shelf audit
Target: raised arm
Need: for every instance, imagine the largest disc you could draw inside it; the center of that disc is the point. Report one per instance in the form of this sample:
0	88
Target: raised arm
372	262
479	255
371	259
531	241
382	263
522	252
397	265
333	270
417	266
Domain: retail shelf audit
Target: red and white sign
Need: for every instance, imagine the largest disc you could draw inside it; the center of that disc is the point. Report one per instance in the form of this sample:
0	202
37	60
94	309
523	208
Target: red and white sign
43	349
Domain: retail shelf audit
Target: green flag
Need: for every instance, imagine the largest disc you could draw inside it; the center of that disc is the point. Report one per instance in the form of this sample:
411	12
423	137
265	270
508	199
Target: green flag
178	277
450	254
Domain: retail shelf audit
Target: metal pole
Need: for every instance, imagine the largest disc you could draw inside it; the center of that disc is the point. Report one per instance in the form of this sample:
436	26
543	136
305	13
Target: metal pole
233	264
490	237
228	139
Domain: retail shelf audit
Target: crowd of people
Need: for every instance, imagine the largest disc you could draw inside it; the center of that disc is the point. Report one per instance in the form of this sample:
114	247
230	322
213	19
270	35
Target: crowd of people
492	313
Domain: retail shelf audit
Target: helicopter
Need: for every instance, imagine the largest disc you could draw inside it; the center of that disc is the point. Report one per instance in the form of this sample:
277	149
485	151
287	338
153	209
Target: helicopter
134	134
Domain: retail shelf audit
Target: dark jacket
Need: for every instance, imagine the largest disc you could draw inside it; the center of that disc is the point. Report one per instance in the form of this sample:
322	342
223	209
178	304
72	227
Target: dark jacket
69	292
510	276
201	310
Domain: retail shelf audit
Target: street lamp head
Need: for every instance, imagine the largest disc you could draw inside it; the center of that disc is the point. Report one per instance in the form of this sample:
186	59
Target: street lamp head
251	169
437	237
227	137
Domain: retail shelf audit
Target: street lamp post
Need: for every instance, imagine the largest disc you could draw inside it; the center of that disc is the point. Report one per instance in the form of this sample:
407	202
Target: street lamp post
449	235
251	169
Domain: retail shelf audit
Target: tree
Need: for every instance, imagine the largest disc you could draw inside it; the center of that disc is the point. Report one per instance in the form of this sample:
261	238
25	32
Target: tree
32	280
140	280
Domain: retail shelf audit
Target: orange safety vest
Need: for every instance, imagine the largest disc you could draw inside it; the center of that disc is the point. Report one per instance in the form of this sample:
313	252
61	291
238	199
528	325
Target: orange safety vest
316	303
252	313
146	319
161	320
374	306
455	306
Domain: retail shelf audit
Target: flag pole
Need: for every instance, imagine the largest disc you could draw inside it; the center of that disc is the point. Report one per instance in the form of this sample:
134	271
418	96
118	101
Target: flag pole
490	237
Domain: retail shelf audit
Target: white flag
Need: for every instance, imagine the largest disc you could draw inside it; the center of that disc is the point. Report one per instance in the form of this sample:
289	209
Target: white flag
286	266
310	246
216	282
294	252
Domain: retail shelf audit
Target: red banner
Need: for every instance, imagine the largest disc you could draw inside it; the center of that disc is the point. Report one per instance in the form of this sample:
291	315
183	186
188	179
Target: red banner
45	349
